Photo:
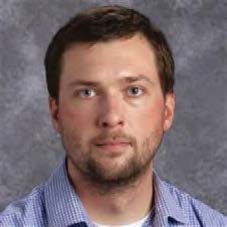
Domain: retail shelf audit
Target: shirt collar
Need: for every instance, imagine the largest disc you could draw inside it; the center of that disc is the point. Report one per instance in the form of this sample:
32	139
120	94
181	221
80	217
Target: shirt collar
63	206
166	207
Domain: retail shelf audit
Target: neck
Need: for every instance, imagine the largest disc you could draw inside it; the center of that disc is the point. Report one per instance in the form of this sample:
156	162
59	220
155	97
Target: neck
122	205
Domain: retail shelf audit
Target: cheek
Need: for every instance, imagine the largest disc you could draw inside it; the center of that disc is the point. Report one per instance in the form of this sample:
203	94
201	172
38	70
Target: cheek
75	120
148	118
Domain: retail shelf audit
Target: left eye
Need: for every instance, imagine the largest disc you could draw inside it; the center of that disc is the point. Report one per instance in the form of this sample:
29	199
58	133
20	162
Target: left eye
135	91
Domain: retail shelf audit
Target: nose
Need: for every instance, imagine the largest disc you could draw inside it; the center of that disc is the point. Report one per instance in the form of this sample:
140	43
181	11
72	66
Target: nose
111	113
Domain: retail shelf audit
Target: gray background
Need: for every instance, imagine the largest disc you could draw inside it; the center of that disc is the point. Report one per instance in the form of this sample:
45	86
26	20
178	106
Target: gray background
193	156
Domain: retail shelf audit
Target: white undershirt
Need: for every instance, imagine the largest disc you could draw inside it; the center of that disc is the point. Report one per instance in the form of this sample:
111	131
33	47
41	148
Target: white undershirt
134	224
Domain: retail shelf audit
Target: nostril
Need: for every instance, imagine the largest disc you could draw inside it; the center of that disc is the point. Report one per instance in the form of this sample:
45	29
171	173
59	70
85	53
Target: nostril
106	124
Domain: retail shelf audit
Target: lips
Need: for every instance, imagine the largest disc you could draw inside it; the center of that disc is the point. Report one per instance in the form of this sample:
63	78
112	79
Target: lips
113	143
110	146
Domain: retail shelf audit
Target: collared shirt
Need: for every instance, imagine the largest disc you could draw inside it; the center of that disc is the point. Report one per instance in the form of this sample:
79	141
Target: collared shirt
56	204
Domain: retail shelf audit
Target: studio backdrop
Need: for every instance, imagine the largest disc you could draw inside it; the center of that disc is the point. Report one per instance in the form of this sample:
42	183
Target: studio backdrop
193	155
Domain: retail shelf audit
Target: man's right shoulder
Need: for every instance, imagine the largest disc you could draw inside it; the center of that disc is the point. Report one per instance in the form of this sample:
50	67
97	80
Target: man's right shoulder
29	211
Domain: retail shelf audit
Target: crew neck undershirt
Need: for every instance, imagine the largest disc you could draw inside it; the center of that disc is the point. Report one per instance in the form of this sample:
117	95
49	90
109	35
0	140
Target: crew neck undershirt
138	223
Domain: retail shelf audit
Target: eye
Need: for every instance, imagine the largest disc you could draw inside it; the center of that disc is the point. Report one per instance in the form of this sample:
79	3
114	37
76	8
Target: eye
86	93
135	91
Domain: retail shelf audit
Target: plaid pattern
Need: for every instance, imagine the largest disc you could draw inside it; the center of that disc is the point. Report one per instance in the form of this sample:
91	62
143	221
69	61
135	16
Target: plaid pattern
55	204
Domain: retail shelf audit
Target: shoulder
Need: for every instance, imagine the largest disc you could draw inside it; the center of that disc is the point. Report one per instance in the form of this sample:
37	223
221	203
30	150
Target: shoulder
29	211
195	210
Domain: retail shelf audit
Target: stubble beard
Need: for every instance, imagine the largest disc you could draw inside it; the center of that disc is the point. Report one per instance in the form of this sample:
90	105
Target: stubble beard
107	178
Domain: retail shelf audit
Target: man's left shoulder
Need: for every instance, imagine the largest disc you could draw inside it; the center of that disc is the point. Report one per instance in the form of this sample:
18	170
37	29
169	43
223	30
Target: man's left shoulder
195	209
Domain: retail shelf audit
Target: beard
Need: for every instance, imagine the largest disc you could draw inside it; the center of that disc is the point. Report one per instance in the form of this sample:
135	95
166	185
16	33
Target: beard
110	172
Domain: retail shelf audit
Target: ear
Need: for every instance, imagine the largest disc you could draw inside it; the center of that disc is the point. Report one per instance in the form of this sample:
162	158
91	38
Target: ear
169	110
54	111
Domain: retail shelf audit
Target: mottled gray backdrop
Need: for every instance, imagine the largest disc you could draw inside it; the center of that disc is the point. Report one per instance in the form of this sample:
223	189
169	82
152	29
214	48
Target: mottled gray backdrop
194	154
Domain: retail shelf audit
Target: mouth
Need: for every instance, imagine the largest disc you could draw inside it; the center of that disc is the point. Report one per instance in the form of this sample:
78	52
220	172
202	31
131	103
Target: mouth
113	145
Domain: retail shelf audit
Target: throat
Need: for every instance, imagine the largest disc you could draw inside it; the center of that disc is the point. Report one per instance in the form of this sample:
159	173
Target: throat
122	208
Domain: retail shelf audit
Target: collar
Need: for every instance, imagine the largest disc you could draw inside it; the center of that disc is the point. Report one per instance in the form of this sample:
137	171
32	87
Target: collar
63	206
167	206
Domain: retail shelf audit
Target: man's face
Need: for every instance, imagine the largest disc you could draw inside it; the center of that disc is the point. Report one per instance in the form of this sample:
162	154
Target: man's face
111	112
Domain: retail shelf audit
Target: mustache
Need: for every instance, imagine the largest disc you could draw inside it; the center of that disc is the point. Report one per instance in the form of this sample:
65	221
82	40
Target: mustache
116	135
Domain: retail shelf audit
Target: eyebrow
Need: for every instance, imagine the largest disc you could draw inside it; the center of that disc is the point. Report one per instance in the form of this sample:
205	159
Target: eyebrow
140	77
127	79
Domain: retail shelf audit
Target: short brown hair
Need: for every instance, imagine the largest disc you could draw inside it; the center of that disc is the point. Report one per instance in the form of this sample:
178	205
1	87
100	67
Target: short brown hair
102	24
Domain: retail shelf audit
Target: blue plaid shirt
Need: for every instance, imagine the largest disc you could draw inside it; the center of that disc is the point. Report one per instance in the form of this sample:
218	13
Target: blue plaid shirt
55	204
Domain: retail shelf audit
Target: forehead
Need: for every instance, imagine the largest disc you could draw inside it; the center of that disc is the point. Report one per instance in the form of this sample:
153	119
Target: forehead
111	59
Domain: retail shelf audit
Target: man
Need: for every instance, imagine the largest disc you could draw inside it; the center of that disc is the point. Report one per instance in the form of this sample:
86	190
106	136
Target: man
110	77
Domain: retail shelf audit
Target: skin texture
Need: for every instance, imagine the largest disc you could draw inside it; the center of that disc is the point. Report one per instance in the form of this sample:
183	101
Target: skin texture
112	115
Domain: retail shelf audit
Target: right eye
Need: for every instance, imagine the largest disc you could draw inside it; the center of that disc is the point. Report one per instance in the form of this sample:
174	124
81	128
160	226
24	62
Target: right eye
86	93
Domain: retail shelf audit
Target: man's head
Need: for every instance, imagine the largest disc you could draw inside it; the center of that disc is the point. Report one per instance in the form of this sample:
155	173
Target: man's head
110	78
